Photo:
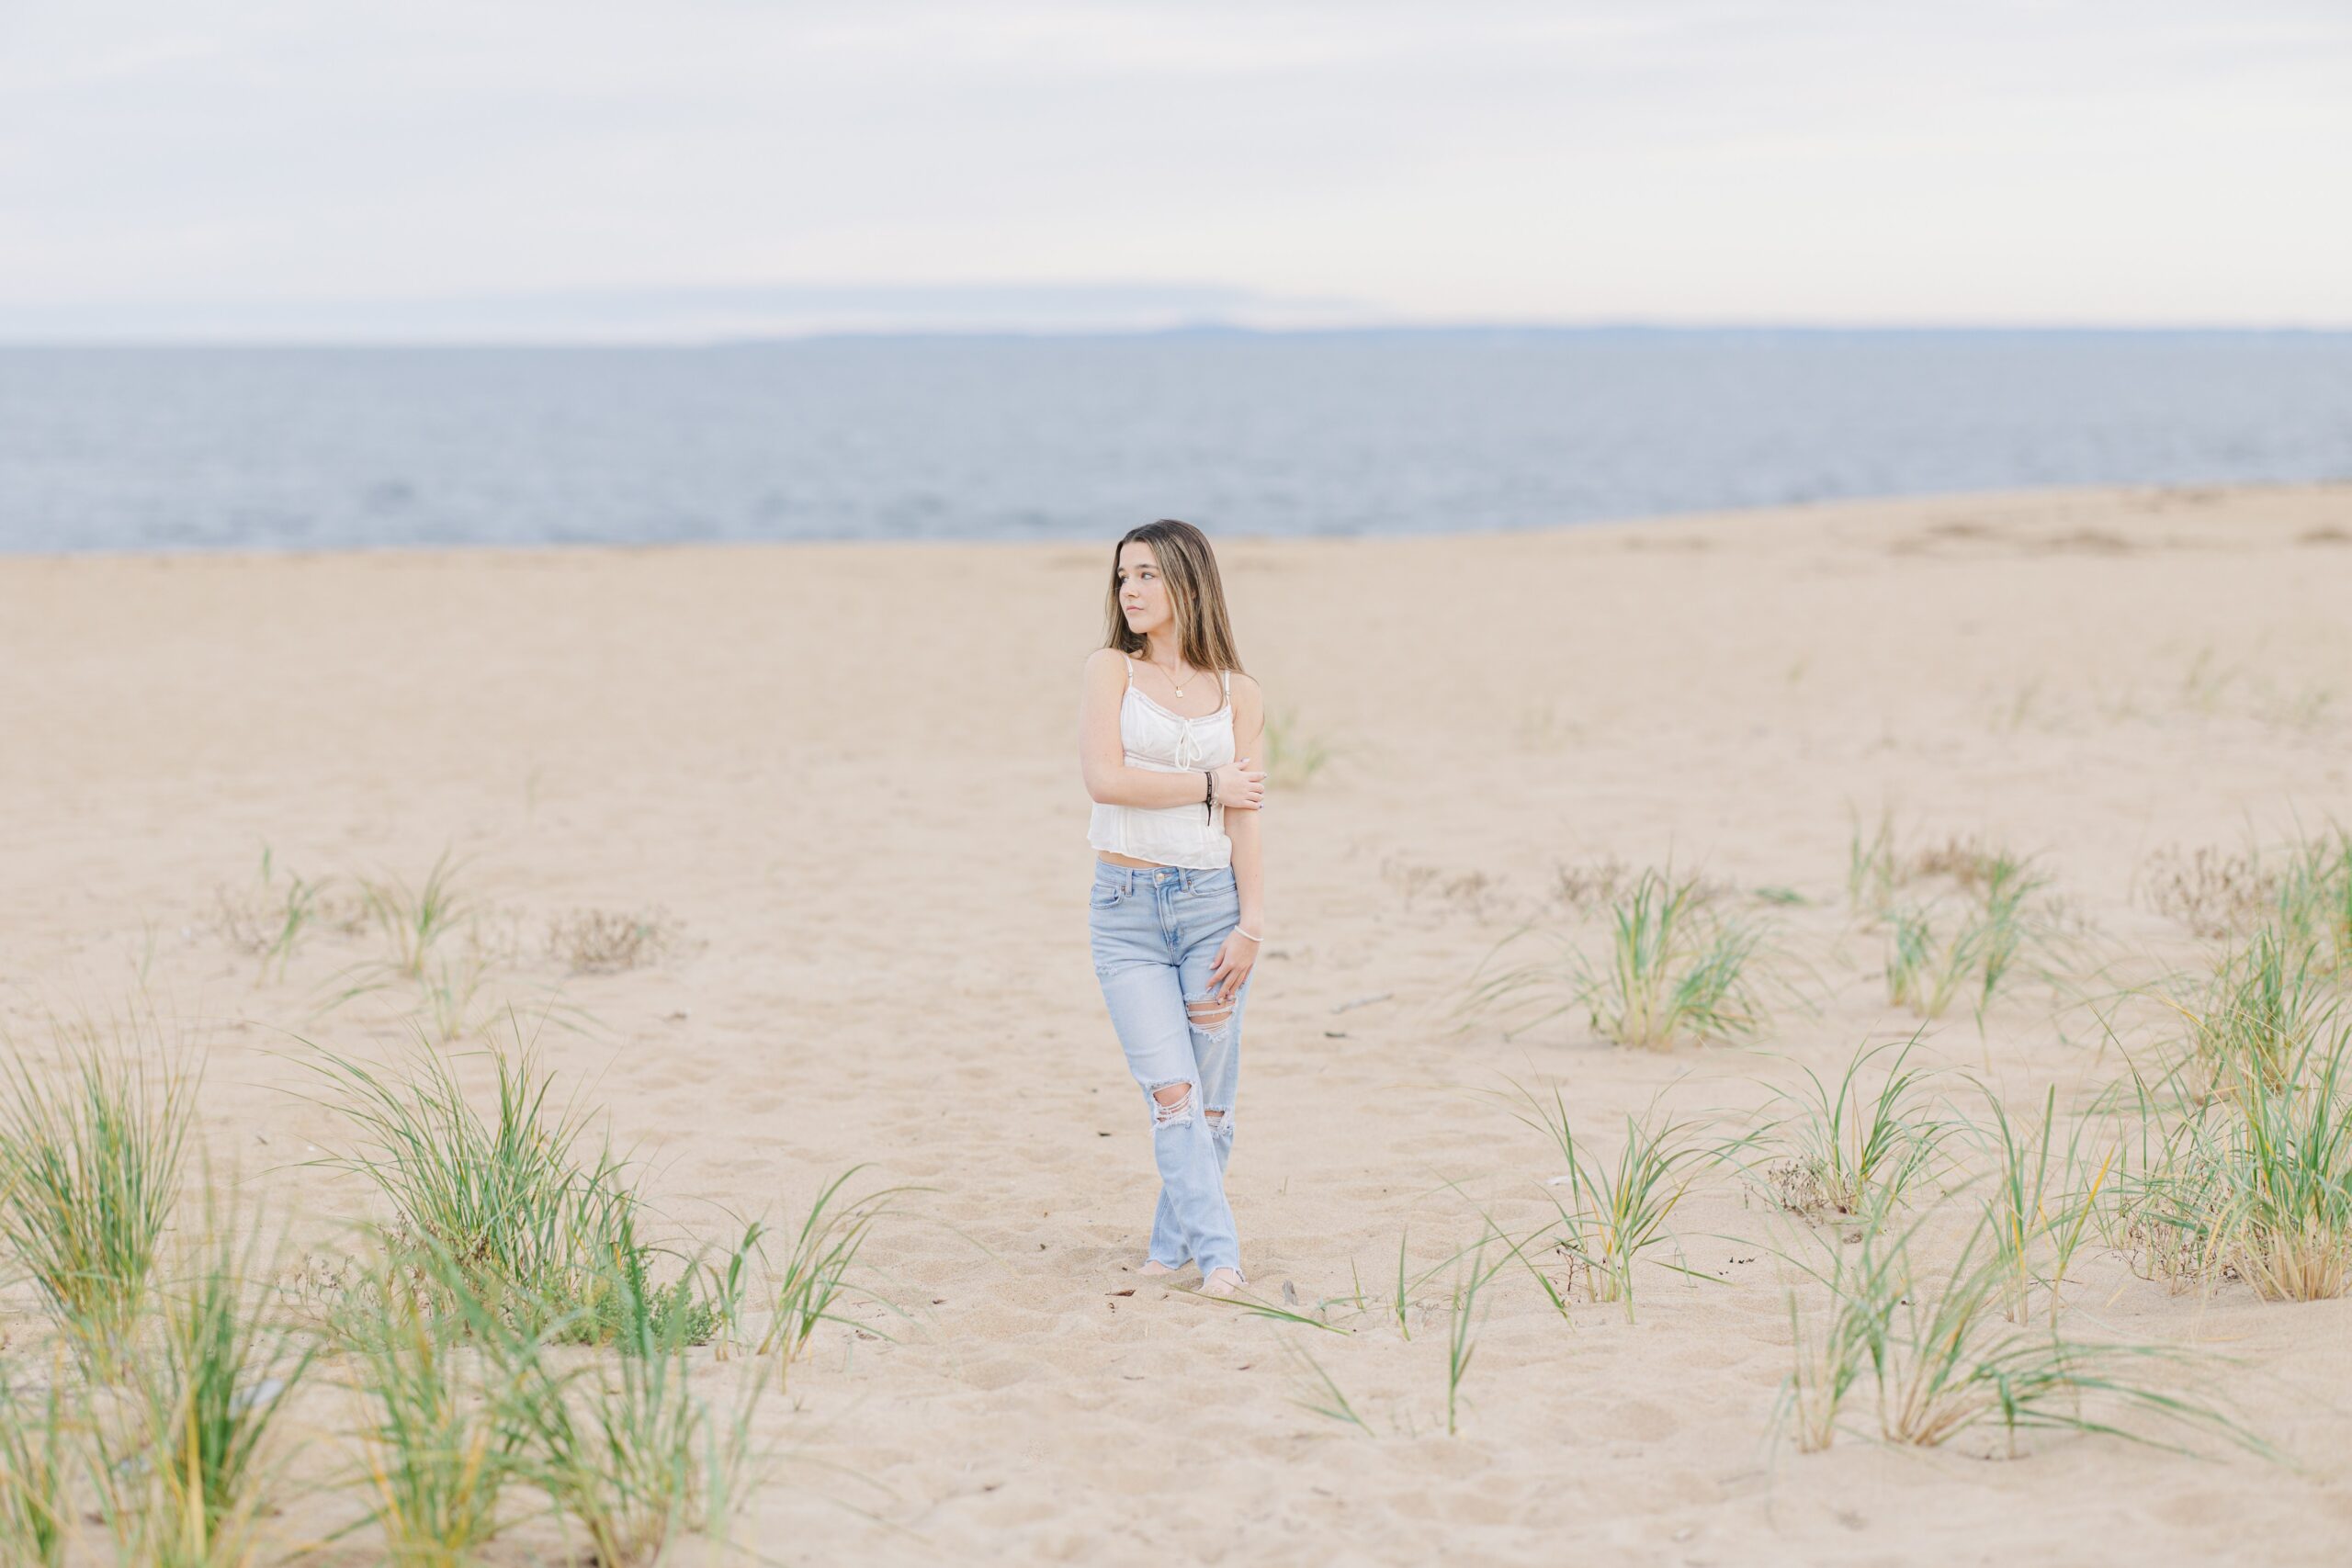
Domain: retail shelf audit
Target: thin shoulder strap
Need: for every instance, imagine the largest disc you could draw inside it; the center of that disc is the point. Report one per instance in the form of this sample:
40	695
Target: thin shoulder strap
1130	661
1227	676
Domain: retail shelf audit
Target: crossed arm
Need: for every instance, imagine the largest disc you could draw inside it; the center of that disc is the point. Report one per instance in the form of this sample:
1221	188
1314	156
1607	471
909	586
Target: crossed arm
1103	762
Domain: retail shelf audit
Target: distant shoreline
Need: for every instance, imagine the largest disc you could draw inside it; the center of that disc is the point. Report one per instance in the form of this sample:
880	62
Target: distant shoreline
1889	511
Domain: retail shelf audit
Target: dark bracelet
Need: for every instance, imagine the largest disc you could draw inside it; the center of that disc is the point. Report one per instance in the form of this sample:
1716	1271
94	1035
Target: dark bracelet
1208	801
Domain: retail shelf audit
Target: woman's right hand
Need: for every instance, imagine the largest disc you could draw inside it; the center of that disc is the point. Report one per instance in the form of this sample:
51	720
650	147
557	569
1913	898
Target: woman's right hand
1240	786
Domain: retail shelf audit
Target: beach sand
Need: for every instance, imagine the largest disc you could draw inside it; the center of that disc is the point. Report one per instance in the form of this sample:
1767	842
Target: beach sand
849	774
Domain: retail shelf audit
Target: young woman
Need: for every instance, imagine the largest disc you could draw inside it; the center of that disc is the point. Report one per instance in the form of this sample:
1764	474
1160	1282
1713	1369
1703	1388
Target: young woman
1167	728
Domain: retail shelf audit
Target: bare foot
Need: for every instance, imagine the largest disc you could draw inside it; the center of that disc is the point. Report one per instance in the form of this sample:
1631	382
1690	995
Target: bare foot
1153	1268
1221	1282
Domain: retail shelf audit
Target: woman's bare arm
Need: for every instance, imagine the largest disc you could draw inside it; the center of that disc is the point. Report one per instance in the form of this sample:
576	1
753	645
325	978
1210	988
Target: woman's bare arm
1243	827
1102	760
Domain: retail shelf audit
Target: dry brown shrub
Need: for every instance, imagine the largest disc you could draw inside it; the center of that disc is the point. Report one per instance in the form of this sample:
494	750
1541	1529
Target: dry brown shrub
1581	890
1473	892
2211	892
271	920
1470	887
1797	1186
1589	886
606	941
1962	857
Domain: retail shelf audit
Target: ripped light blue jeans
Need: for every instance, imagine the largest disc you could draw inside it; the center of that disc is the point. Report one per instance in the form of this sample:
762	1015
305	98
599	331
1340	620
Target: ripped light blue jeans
1155	931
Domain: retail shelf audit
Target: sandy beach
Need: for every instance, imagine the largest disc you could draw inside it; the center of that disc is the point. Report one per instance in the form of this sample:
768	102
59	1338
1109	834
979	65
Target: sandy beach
848	776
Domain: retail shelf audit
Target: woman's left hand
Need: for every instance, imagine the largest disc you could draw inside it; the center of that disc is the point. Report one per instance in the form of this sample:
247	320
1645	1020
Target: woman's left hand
1234	960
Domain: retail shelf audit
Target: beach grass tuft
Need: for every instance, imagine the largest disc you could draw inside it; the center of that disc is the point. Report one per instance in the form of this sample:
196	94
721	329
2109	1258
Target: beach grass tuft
448	994
550	1233
464	1404
816	1270
2044	1197
1464	1316
2266	1001
2314	900
39	1455
1853	1151
193	1479
631	1454
270	918
1828	1357
1943	1362
1931	963
2286	1157
441	1432
2253	1183
1676	971
1614	1213
414	921
90	1166
1871	872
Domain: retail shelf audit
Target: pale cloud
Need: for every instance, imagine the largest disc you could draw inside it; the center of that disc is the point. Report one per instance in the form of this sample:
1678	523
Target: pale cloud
1703	160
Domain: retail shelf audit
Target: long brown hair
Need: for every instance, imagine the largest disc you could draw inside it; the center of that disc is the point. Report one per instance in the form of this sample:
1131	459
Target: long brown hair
1195	596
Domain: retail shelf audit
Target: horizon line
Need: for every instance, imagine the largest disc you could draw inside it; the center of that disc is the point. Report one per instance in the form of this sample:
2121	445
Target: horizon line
1212	327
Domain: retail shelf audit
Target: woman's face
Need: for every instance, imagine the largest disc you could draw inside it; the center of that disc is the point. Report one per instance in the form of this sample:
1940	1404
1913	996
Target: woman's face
1143	592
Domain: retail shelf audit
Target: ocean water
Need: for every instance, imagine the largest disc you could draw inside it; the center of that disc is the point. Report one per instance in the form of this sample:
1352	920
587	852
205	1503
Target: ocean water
1079	438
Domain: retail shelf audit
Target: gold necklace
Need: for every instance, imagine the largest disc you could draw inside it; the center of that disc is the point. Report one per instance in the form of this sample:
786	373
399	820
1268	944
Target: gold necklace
1172	680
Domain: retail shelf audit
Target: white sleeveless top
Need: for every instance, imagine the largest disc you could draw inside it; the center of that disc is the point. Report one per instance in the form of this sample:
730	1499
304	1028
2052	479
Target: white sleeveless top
1167	743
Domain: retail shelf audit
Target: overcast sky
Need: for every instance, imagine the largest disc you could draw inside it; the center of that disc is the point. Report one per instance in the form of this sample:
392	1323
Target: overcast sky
1964	161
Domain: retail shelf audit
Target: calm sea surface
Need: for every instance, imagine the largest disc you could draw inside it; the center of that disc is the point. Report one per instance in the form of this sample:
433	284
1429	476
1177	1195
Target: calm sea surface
1038	438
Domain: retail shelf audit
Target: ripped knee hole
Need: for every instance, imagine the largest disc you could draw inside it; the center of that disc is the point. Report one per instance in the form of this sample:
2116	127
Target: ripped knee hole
1171	1103
1208	1013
